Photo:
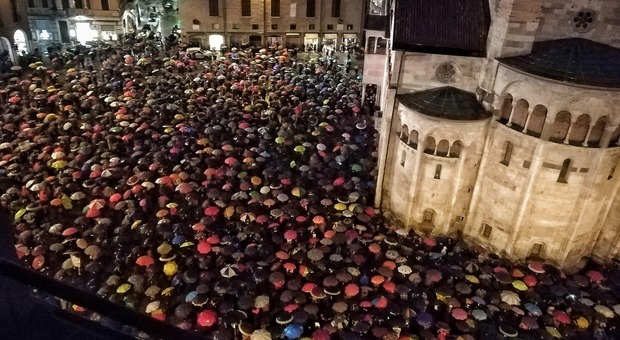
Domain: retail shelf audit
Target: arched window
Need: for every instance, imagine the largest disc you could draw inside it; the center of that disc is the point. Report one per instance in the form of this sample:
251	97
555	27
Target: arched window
413	139
404	134
443	148
505	109
537	121
429	145
597	132
519	116
437	172
564	171
580	130
455	150
560	127
507	154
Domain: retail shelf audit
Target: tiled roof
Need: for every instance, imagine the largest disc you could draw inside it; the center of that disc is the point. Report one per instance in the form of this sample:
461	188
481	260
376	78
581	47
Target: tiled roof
445	102
574	60
456	27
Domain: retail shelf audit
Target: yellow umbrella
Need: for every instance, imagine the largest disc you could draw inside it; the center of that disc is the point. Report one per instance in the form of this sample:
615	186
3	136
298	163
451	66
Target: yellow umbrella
59	164
340	206
554	332
136	224
124	288
229	211
168	291
164	248
66	202
582	322
519	285
170	268
472	279
20	213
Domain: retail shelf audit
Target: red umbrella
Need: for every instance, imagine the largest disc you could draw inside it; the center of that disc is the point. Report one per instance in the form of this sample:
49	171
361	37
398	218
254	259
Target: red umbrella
318	219
351	290
536	267
380	302
339	181
595	276
530	280
321	334
429	241
561	317
433	275
290	235
282	255
70	231
207	318
185	188
115	197
308	287
91	213
374	248
204	247
145	261
213	239
212	211
389	286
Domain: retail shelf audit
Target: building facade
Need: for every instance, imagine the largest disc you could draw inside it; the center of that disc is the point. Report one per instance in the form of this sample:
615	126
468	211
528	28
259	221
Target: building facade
501	123
293	23
54	22
14	34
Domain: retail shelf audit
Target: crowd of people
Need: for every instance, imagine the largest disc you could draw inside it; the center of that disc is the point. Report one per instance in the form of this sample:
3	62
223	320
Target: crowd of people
233	197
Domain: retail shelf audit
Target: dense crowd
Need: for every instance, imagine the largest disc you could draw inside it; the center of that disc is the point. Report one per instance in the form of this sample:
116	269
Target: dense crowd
233	197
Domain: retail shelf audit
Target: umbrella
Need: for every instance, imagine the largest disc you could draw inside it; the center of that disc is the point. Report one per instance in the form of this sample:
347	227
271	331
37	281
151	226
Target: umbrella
261	301
561	317
207	318
604	310
229	271
459	314
293	331
260	334
425	320
510	298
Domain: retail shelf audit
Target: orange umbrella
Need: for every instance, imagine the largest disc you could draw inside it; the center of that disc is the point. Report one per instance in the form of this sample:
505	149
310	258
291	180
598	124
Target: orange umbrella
377	280
145	261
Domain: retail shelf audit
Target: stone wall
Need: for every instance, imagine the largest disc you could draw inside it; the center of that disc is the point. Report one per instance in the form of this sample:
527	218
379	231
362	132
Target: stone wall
558	16
419	72
416	186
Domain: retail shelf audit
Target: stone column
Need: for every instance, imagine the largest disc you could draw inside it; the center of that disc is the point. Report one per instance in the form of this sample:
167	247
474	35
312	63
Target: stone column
537	160
416	179
570	129
606	136
512	113
475	197
527	121
456	184
585	141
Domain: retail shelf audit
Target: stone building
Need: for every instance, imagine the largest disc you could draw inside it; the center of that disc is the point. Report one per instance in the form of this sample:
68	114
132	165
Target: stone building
501	122
295	23
14	36
54	22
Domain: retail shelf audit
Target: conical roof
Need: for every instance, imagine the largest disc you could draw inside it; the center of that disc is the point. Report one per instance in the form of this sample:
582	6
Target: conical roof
574	60
446	102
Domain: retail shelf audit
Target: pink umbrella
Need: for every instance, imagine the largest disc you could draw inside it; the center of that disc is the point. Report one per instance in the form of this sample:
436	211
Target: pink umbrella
230	161
429	241
459	314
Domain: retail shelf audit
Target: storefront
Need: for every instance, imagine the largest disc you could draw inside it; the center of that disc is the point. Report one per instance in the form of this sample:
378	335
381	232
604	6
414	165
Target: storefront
216	41
311	41
349	39
293	40
330	41
273	40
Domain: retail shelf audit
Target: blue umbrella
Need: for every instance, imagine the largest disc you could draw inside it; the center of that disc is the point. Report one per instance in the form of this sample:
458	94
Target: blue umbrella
293	331
178	239
425	320
533	309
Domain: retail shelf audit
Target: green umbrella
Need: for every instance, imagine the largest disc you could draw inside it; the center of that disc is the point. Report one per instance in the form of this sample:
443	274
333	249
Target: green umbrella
300	149
280	140
356	168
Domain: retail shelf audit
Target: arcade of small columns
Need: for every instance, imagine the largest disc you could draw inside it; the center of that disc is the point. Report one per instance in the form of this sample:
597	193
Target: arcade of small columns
582	131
